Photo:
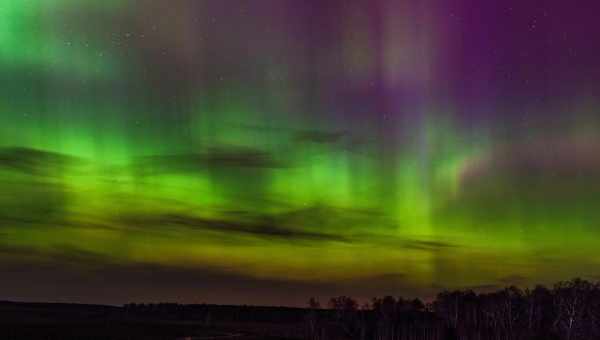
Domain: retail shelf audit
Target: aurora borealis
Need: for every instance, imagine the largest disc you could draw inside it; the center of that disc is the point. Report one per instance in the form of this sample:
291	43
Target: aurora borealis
268	151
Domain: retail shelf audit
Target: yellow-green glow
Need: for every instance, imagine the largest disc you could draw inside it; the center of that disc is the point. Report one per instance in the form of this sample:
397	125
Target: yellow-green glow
120	143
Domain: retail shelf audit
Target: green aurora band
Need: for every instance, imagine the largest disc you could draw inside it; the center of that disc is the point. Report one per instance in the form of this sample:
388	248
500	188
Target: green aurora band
125	139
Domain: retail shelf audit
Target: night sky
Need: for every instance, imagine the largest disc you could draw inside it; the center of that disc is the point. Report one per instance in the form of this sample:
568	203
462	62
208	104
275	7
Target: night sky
267	151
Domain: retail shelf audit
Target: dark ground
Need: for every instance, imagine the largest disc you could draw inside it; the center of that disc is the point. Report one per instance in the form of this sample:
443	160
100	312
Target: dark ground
32	321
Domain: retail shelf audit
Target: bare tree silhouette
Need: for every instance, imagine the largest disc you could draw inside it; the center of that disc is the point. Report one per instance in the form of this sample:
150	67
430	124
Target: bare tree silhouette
568	311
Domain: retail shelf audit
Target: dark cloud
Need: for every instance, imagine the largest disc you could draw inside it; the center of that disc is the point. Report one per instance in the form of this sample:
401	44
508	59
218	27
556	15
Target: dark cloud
393	241
265	228
427	245
320	137
35	195
299	135
341	140
338	220
240	157
32	161
212	158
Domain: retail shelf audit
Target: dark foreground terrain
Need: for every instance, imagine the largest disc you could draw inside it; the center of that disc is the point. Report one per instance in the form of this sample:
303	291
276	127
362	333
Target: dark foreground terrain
570	310
31	321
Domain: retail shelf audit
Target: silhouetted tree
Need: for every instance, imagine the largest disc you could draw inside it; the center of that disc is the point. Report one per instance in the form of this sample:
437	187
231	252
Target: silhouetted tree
346	315
315	330
572	304
569	311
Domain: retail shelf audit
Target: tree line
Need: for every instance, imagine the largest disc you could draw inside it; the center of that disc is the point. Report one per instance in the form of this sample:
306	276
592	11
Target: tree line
570	310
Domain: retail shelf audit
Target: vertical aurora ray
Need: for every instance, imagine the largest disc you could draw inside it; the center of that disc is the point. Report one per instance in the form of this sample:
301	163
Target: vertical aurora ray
291	141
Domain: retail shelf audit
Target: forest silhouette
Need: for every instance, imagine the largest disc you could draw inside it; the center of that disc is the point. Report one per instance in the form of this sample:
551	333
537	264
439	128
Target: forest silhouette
570	310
